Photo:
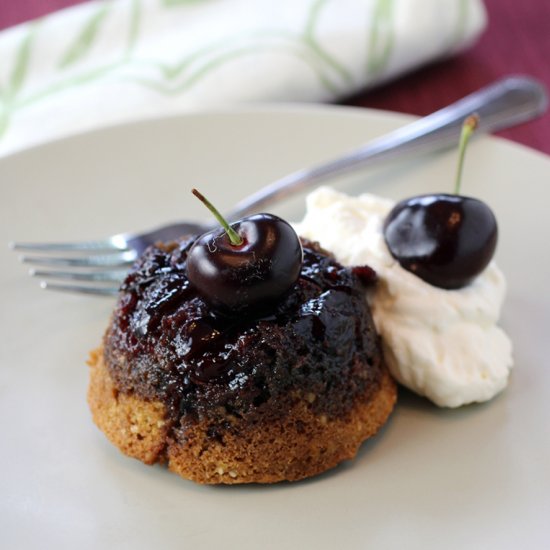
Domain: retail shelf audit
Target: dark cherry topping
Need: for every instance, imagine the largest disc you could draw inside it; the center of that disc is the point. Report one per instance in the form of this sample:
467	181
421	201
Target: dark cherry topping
167	343
446	240
255	273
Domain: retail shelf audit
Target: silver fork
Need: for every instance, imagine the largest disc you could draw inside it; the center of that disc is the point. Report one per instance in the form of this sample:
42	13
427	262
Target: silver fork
98	267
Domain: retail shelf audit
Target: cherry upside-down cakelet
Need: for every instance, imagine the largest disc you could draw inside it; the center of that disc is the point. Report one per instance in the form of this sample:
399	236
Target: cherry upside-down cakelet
283	382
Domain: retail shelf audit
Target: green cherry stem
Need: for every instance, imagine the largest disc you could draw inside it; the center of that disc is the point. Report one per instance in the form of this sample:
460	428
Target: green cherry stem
234	237
468	127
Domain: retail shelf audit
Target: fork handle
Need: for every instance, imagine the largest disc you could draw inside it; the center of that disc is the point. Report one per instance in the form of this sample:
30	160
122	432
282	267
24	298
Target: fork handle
507	102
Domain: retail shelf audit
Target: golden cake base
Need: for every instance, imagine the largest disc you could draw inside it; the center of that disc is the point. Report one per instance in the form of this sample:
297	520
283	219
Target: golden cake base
301	444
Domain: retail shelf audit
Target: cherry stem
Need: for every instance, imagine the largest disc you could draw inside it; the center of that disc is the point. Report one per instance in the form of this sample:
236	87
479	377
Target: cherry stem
234	237
468	127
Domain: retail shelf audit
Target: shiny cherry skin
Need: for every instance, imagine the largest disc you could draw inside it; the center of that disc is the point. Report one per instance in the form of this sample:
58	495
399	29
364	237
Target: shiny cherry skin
446	240
252	275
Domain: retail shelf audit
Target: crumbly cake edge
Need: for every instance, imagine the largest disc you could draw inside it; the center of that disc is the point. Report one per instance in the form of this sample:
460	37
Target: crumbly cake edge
300	445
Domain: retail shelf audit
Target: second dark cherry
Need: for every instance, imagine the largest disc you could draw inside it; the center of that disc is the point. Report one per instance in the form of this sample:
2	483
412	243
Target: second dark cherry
251	275
446	240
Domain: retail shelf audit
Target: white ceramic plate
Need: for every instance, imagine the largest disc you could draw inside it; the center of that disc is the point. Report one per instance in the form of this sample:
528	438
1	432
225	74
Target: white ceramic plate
478	477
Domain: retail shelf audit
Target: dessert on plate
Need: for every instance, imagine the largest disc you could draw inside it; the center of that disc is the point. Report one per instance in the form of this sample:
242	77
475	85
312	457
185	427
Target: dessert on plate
252	356
241	362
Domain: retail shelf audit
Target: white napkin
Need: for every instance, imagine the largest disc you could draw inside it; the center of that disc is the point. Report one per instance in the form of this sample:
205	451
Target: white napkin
107	62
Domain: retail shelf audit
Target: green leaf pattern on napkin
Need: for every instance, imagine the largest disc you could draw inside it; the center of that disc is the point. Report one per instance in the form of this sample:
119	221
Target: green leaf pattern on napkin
79	64
381	36
84	41
312	42
176	77
21	63
135	23
461	22
17	77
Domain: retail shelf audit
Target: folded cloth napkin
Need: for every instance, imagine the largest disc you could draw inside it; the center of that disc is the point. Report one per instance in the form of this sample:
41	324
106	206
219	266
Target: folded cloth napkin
106	62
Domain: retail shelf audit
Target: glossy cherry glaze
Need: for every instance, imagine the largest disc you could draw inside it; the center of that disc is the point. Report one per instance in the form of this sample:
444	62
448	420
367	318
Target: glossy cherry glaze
166	343
446	240
235	278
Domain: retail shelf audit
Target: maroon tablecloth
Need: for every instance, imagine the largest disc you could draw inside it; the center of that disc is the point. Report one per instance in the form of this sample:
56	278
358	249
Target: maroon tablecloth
516	41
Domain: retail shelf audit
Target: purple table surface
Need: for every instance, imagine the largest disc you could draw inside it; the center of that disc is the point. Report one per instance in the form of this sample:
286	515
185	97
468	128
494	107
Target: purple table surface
517	41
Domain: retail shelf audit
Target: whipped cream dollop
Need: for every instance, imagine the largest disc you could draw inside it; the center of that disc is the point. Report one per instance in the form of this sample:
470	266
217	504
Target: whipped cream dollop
442	344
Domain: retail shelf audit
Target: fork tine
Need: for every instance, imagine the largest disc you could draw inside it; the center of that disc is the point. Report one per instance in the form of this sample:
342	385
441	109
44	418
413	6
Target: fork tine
110	260
107	276
81	289
105	245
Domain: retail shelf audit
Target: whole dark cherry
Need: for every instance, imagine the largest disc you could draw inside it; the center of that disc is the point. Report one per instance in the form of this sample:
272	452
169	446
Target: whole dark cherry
247	265
446	240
